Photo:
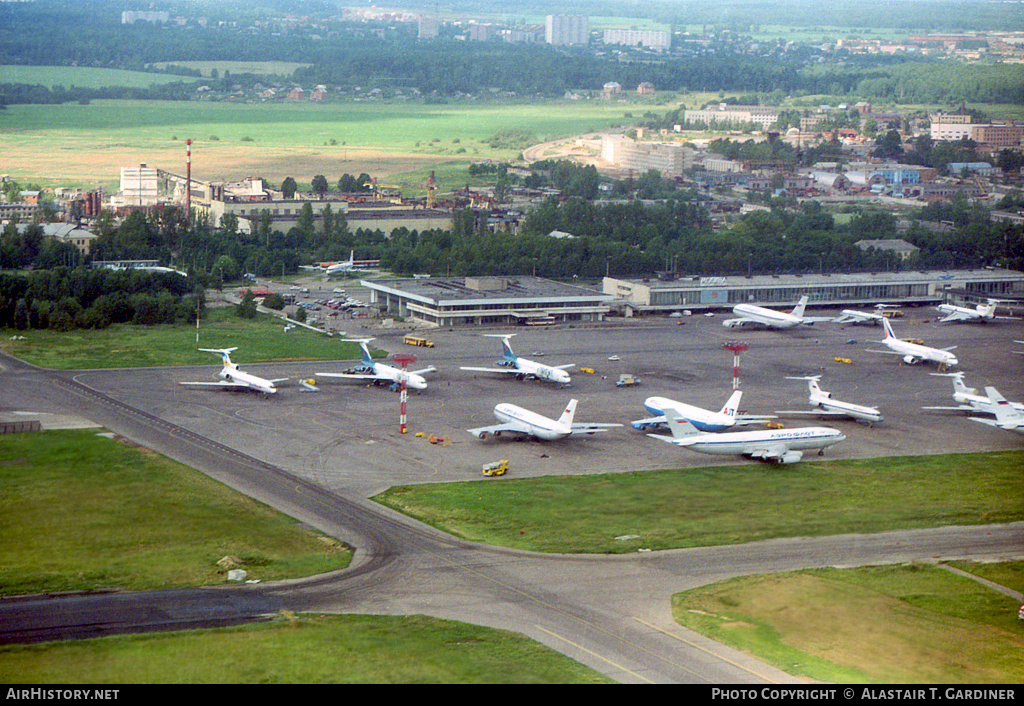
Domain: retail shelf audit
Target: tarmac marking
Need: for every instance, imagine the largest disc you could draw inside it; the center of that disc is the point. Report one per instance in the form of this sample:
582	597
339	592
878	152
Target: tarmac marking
594	654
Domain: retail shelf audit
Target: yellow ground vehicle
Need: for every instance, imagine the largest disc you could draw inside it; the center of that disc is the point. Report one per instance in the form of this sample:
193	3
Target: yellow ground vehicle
419	341
496	468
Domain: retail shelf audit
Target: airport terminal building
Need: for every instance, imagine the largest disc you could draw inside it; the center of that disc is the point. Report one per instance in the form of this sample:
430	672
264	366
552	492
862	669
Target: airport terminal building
453	301
662	295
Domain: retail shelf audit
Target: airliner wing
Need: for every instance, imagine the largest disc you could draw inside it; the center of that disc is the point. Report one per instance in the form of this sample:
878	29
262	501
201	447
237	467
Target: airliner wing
771	452
809	320
743	420
733	323
564	367
431	369
957	316
587	428
513	371
496	429
649	422
351	376
223	383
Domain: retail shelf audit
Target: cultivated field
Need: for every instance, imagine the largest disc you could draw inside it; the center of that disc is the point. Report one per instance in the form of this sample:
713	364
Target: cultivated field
86	145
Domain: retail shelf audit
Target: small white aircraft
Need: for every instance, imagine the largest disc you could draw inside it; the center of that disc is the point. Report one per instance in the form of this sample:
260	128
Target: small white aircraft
981	312
702	419
827	406
381	373
776	445
330	268
758	315
968	398
914	353
1007	417
521	367
231	377
517	420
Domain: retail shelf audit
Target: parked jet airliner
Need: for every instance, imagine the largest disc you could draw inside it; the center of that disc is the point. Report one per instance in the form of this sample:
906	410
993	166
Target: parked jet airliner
914	353
758	315
231	377
1007	417
776	445
517	420
828	406
382	374
702	419
522	368
968	398
981	312
330	268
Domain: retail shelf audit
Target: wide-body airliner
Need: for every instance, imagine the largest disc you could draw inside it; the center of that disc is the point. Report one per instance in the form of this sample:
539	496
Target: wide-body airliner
751	315
516	420
702	419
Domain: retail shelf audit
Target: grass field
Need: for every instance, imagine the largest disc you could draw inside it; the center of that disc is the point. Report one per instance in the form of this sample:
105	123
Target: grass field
80	511
88	144
887	624
302	649
722	505
85	77
259	340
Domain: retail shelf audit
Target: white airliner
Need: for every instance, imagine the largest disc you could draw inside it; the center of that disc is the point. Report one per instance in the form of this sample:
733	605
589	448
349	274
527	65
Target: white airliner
231	377
517	420
981	312
776	445
702	419
1007	417
381	373
968	399
758	315
522	368
827	406
850	316
330	268
914	353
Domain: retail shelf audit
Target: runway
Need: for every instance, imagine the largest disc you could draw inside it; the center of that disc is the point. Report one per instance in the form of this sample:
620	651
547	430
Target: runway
320	456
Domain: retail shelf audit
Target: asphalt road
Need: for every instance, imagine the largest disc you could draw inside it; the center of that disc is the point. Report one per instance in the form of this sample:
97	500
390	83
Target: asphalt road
320	456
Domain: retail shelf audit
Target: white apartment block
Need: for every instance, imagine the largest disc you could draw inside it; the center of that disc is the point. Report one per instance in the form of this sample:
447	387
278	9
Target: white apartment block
619	150
646	38
566	30
951	131
734	114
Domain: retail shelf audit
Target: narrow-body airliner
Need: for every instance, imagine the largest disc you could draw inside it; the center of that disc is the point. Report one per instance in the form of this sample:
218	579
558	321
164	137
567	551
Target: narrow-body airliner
828	406
511	364
702	419
751	315
233	378
914	353
370	370
968	399
979	313
523	422
775	445
1007	417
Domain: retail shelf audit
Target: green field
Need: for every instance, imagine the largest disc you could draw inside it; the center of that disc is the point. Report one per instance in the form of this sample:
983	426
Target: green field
708	506
81	511
258	340
85	77
887	624
302	649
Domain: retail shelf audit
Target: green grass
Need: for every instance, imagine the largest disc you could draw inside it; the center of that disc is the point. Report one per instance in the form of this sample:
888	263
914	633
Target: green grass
709	506
80	511
85	77
302	649
127	346
890	624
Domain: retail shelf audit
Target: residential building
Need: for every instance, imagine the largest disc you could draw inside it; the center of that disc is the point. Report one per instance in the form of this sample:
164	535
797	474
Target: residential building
567	30
655	40
724	113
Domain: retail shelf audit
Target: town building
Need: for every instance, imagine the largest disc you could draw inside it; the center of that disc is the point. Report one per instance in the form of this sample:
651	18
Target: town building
668	158
567	30
655	40
506	301
725	114
670	293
